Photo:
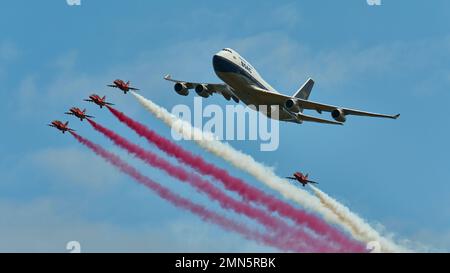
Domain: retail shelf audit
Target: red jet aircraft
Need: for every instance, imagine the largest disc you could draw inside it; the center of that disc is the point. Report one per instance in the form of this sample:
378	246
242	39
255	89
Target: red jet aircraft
124	86
99	101
75	111
303	179
61	126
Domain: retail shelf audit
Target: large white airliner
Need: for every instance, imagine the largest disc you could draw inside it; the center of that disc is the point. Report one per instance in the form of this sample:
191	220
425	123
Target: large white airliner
243	83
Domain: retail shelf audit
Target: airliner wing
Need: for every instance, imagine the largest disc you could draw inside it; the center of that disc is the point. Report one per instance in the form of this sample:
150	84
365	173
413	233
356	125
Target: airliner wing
192	85
219	88
319	107
270	98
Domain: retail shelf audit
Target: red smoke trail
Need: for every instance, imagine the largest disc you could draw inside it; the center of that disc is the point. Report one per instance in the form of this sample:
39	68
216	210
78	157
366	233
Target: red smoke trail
279	226
248	192
178	201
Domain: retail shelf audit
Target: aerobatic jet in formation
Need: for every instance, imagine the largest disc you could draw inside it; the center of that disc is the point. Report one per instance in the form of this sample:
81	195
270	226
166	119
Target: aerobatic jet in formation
303	179
75	111
98	100
122	85
63	127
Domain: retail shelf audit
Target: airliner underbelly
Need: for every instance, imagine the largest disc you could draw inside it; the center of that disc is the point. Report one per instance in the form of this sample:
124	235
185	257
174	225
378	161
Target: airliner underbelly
249	95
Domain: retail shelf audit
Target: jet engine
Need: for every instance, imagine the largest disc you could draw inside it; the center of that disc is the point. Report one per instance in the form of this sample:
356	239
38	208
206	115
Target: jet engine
292	105
338	115
181	89
202	91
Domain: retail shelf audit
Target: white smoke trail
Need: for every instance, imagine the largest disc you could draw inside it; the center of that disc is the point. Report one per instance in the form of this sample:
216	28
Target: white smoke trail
331	210
359	227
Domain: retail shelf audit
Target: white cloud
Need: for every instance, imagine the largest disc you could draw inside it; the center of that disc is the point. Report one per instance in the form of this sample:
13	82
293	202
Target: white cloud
288	16
67	61
27	97
430	240
75	165
287	62
39	226
8	51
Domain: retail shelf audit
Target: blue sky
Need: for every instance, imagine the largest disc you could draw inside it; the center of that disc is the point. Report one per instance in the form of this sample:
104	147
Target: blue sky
390	58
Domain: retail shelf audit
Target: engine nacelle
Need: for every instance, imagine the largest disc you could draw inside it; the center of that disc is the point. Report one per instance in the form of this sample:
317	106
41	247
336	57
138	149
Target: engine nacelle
181	89
292	105
202	90
226	96
338	115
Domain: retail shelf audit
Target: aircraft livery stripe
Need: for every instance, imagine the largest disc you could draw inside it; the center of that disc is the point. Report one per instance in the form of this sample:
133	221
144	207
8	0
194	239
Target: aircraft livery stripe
223	65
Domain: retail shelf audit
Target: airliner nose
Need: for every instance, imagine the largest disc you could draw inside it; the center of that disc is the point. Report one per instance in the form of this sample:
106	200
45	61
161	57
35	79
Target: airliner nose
215	60
219	63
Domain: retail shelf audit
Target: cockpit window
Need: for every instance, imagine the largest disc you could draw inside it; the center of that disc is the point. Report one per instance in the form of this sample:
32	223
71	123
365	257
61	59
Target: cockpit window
227	50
